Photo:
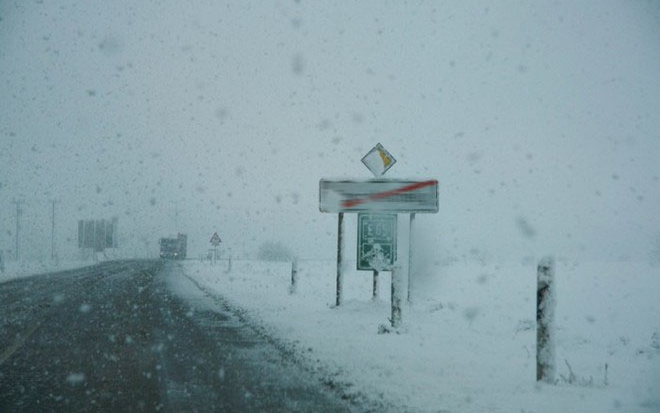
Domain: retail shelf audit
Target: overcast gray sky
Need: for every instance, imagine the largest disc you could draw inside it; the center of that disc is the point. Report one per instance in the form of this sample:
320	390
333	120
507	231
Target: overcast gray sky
539	119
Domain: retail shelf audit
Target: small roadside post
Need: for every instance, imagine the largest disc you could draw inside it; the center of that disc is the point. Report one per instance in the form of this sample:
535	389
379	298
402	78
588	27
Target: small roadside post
377	202
545	311
294	276
397	292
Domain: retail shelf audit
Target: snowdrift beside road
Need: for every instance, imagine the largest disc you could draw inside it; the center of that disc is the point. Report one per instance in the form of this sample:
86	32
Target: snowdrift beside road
15	269
468	342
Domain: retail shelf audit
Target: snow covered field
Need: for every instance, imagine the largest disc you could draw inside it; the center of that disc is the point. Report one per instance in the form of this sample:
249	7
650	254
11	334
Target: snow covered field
15	269
468	342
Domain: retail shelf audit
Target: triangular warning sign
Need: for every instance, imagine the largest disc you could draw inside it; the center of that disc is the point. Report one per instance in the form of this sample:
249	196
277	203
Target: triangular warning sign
215	239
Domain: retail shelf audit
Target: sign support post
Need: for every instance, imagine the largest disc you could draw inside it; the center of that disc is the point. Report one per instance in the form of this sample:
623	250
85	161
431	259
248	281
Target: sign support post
410	258
340	264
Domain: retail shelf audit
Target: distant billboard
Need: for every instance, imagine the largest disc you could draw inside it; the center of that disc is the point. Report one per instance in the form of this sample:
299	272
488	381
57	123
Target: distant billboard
97	234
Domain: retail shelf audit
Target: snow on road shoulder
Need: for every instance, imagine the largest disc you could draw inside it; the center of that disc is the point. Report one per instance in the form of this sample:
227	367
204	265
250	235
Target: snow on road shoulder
15	269
468	342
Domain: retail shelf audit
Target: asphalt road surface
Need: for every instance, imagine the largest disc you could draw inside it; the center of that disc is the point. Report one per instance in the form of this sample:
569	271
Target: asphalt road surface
134	336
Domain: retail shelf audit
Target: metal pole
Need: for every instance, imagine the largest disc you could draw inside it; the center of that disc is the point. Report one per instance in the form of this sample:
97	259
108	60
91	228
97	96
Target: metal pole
176	216
52	232
18	227
375	291
115	242
19	211
95	242
410	257
340	264
545	308
294	276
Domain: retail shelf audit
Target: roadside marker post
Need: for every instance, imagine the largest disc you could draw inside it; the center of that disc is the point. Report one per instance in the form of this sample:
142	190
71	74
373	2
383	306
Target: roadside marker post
377	199
397	292
294	276
545	314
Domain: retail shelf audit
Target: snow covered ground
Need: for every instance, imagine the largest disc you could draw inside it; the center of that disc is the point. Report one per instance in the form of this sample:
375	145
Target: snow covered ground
468	341
15	269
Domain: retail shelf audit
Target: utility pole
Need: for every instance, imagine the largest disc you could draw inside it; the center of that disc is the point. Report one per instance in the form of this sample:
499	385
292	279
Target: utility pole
19	211
176	216
52	230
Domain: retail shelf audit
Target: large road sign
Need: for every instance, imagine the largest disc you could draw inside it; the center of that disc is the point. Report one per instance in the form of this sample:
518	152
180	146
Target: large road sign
98	234
378	195
376	246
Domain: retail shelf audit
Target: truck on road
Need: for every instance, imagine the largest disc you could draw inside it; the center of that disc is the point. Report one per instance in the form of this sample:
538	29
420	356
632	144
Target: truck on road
174	248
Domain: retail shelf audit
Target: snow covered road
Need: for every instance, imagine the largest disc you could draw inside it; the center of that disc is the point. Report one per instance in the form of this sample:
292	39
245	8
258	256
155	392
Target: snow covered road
139	336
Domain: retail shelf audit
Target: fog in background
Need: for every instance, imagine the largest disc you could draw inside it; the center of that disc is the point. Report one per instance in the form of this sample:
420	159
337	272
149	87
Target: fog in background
540	120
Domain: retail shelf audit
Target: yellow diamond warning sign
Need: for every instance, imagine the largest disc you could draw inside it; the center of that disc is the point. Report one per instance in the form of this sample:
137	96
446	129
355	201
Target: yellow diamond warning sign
378	160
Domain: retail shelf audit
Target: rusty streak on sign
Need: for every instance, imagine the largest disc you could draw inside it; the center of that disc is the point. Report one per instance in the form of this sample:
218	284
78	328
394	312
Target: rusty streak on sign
380	195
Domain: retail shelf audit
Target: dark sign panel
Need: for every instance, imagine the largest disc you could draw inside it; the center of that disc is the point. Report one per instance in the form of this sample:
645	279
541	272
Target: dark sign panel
97	234
376	241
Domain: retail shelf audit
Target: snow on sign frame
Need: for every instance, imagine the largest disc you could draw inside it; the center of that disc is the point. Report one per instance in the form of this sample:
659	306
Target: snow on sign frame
379	195
378	160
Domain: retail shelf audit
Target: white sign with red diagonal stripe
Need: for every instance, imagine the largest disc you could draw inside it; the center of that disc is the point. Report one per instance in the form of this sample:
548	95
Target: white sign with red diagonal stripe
400	196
